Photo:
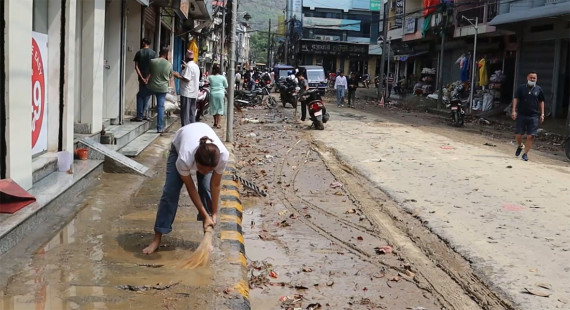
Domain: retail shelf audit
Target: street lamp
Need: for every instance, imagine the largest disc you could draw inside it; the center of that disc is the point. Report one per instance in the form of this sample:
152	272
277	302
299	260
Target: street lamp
473	61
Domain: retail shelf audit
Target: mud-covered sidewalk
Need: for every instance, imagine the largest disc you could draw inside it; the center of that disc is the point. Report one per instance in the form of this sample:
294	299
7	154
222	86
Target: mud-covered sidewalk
95	261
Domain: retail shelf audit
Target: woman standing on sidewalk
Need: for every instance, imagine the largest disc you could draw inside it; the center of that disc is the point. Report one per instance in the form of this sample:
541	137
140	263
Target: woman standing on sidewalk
218	85
196	147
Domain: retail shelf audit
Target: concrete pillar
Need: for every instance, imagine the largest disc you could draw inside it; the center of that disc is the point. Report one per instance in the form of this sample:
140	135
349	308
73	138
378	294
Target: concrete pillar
53	80
69	75
372	67
18	96
92	64
112	65
133	37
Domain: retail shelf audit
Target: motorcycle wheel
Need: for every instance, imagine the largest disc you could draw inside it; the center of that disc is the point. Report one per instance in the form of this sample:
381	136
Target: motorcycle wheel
457	119
272	103
198	115
319	125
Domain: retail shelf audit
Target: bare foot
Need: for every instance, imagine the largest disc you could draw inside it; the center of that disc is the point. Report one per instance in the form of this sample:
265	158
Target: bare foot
151	248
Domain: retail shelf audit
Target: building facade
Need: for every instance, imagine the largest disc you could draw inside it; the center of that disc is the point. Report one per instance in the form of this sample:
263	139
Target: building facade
82	69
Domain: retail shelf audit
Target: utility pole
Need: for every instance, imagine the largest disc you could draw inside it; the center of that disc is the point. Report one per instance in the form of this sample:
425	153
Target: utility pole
441	53
269	45
223	37
473	59
384	36
232	76
287	21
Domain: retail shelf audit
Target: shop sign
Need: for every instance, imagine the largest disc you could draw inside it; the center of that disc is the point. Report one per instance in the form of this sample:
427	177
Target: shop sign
39	92
325	48
410	26
375	5
399	14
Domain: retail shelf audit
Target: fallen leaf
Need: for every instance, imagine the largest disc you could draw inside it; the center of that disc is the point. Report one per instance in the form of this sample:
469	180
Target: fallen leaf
536	292
307	269
338	193
385	249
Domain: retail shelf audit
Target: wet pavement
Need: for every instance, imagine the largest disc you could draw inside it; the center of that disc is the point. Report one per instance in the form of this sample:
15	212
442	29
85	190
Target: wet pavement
95	260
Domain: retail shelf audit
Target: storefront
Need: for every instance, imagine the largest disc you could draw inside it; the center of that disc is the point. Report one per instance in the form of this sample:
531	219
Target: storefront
339	56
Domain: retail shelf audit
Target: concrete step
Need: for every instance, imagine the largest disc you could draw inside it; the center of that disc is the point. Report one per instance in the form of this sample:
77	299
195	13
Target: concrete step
135	147
51	192
123	134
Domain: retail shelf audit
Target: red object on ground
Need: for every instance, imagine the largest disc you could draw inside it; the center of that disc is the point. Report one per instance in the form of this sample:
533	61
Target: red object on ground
13	197
82	153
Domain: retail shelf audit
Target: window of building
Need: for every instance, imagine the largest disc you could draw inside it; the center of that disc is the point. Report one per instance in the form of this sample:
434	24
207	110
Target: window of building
40	16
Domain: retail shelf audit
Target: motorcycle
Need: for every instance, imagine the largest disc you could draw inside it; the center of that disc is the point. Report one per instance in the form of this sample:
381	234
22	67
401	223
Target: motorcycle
317	110
203	101
456	106
289	92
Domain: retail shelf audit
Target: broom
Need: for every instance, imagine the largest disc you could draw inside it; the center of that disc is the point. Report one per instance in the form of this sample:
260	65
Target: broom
201	256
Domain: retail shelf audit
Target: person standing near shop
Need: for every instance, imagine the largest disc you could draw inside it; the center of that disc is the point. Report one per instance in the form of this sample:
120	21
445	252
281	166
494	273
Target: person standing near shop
352	86
218	85
303	87
528	111
189	88
142	67
160	74
340	86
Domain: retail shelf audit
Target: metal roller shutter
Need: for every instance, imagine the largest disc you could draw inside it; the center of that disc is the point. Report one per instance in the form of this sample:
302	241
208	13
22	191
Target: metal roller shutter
538	57
150	18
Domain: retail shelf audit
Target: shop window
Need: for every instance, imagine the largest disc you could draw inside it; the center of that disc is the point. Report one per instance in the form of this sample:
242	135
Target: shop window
40	16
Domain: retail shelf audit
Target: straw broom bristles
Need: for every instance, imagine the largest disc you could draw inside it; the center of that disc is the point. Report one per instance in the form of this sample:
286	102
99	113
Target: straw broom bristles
201	256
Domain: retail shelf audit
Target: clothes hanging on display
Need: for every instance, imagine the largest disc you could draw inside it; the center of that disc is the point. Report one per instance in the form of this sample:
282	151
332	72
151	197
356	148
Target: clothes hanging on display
483	78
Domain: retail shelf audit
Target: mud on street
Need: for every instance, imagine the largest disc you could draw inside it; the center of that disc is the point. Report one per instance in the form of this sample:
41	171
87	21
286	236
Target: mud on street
324	236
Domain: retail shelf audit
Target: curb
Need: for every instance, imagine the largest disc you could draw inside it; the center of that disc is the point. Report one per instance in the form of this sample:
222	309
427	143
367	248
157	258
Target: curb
236	295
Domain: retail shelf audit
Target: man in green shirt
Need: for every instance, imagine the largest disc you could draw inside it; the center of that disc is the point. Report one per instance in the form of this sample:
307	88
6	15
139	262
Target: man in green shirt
160	74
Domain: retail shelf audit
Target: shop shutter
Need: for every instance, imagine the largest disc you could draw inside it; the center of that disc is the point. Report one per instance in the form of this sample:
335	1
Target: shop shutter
538	57
150	18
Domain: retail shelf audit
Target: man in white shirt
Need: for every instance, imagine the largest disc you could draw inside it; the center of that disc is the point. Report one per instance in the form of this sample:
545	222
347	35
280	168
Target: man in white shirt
340	85
238	80
189	88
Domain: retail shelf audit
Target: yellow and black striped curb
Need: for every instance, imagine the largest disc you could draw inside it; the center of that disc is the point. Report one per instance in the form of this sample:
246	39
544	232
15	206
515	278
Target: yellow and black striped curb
231	241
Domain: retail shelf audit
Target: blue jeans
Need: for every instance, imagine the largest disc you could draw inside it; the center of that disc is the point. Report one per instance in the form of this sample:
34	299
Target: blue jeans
160	97
142	101
168	204
340	95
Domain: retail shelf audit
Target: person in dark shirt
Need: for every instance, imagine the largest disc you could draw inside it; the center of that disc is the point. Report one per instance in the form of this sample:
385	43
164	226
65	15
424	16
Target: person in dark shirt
142	67
528	111
304	86
352	86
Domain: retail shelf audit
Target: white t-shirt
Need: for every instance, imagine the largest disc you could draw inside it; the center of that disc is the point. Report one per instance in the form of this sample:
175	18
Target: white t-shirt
238	76
186	142
191	72
340	81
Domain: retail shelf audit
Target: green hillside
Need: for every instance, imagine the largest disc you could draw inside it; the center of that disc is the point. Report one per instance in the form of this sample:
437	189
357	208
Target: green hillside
261	11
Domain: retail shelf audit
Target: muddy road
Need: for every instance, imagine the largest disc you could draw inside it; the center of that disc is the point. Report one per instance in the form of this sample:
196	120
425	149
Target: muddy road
324	235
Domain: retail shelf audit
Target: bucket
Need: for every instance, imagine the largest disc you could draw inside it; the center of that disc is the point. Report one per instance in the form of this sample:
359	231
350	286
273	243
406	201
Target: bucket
81	153
64	160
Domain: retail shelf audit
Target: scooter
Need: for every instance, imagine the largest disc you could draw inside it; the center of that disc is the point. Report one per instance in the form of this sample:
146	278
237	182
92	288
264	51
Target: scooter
317	111
289	92
203	101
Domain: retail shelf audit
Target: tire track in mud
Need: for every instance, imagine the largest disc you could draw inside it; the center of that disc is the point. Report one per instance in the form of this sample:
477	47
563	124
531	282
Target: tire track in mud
448	275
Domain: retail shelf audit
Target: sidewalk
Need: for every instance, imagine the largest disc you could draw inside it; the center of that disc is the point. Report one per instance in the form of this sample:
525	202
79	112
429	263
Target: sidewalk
95	260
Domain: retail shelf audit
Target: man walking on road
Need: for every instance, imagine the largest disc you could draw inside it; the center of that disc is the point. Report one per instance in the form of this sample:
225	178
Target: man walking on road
340	86
528	110
352	86
142	66
304	86
189	85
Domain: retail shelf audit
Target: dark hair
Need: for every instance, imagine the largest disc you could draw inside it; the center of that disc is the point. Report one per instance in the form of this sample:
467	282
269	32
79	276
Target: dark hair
145	41
207	154
531	72
164	51
216	69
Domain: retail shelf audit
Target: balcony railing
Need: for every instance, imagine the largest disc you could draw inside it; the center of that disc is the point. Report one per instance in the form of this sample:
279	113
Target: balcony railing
485	12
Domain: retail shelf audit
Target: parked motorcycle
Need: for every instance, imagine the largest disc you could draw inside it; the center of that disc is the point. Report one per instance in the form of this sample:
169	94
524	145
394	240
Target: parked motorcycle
288	92
456	106
203	101
317	111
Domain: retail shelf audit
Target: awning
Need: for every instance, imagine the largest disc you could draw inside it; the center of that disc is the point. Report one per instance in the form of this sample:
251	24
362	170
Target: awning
534	13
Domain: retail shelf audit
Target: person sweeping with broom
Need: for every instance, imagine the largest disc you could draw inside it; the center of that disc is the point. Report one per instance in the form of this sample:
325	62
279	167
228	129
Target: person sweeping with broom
196	147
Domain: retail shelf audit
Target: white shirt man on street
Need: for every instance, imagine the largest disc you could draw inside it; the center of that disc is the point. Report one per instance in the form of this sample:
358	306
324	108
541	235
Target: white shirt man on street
189	89
340	85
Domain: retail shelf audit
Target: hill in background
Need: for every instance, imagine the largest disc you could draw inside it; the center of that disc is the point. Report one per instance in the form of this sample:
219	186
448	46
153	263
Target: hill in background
261	11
